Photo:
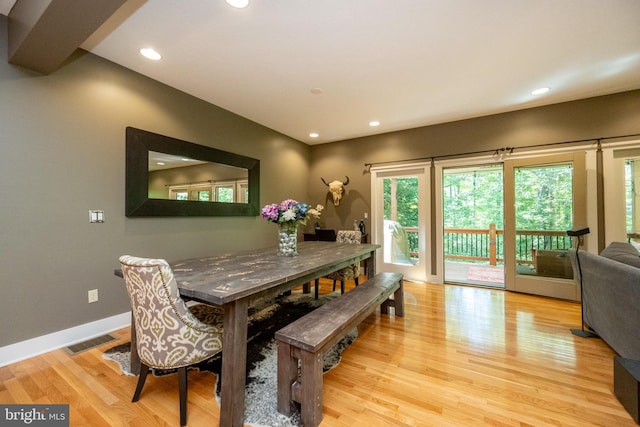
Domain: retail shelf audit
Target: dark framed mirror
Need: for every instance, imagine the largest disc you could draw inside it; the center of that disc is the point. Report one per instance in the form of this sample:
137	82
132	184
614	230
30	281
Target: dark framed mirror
169	177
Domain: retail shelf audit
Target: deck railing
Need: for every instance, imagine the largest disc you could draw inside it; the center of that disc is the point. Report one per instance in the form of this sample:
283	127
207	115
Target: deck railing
467	244
474	244
488	245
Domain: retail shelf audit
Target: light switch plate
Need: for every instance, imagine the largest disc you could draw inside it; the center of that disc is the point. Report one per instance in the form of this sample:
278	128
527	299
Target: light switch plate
96	216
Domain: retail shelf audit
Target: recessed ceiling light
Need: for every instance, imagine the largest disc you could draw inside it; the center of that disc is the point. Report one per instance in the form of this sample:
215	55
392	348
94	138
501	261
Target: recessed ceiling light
149	53
160	163
238	4
313	135
540	91
374	123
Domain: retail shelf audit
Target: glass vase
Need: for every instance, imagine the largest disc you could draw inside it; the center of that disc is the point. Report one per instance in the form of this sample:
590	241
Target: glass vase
287	239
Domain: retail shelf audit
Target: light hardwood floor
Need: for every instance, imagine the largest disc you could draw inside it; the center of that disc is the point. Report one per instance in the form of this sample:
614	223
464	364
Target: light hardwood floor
461	356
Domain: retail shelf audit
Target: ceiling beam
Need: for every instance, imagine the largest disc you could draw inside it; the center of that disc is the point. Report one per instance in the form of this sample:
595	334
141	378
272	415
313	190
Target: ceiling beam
44	33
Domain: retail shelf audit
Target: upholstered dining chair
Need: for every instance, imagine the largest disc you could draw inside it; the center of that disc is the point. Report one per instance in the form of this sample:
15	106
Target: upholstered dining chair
351	272
168	335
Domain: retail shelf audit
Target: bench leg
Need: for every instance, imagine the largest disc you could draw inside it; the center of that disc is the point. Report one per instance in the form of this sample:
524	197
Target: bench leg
397	302
287	375
384	307
311	382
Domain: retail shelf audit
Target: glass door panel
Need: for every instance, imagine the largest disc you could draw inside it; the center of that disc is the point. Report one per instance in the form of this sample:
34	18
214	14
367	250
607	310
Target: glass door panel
400	216
544	212
545	198
621	167
472	200
399	222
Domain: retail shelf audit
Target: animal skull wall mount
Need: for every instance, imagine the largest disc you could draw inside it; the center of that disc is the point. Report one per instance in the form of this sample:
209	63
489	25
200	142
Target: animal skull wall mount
336	188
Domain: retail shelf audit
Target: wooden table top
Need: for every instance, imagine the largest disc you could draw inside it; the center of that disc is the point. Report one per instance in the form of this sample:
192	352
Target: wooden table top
227	277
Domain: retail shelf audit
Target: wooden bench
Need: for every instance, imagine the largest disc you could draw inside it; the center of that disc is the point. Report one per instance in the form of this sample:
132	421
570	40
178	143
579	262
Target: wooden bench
307	339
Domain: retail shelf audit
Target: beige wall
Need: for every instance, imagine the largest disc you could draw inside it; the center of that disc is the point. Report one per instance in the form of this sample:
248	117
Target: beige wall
605	116
62	153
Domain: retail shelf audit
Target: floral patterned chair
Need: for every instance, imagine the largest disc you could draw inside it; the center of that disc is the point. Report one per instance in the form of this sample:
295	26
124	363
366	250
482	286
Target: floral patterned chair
351	272
168	335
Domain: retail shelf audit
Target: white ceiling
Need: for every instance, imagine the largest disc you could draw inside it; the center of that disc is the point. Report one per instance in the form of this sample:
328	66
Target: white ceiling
5	6
406	63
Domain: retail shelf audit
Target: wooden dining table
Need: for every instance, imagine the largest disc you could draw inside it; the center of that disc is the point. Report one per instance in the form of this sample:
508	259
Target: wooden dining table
235	281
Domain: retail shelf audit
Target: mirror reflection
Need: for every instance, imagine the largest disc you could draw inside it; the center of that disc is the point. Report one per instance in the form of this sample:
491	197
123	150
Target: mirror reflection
166	176
182	178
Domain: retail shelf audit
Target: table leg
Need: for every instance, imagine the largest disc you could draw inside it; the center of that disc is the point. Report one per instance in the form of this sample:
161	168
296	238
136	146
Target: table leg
234	364
371	265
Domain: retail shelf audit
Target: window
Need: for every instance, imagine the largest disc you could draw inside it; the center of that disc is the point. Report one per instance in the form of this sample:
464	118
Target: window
236	191
224	193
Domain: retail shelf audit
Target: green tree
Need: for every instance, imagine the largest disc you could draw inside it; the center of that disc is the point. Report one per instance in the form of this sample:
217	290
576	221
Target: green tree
473	199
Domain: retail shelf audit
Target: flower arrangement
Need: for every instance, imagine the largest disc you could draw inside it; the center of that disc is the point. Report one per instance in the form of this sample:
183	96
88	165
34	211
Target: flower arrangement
290	213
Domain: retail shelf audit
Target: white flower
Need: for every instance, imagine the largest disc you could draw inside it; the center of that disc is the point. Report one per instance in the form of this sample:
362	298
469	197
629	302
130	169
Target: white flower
316	212
289	215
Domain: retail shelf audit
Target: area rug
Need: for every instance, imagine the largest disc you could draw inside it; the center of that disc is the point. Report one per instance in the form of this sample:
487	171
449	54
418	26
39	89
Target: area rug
261	389
486	274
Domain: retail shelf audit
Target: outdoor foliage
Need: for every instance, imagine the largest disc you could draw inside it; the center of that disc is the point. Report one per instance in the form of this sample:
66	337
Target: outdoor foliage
406	206
473	199
545	198
406	198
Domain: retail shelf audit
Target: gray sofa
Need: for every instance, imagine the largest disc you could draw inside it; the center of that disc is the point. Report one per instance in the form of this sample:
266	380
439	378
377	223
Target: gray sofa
611	295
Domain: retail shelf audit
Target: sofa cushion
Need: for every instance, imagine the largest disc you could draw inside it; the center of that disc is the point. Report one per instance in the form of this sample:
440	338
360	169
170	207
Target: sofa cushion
622	252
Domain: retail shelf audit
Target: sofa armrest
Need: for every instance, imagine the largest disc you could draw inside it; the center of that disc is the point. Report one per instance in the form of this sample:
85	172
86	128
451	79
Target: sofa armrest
611	300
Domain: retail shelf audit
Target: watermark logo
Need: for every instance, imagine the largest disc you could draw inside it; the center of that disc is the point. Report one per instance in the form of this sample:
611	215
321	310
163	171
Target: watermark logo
34	415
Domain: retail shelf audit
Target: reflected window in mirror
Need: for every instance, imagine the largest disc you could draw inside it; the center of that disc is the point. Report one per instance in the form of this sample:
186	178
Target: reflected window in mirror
179	178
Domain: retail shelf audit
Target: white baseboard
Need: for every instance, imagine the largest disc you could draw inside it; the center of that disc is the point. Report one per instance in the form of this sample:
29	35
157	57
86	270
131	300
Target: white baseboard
33	347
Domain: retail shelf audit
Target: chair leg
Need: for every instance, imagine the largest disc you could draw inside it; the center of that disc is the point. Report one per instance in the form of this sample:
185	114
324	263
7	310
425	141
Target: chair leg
182	380
342	286
317	287
357	281
144	370
334	286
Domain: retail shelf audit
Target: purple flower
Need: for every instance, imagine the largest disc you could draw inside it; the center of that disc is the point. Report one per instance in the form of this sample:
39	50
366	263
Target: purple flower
287	204
270	212
288	211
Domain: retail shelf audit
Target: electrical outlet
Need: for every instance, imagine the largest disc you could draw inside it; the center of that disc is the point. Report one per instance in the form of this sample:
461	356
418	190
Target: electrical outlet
366	215
93	295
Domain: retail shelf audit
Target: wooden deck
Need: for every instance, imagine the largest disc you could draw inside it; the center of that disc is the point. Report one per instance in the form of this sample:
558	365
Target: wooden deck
474	274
